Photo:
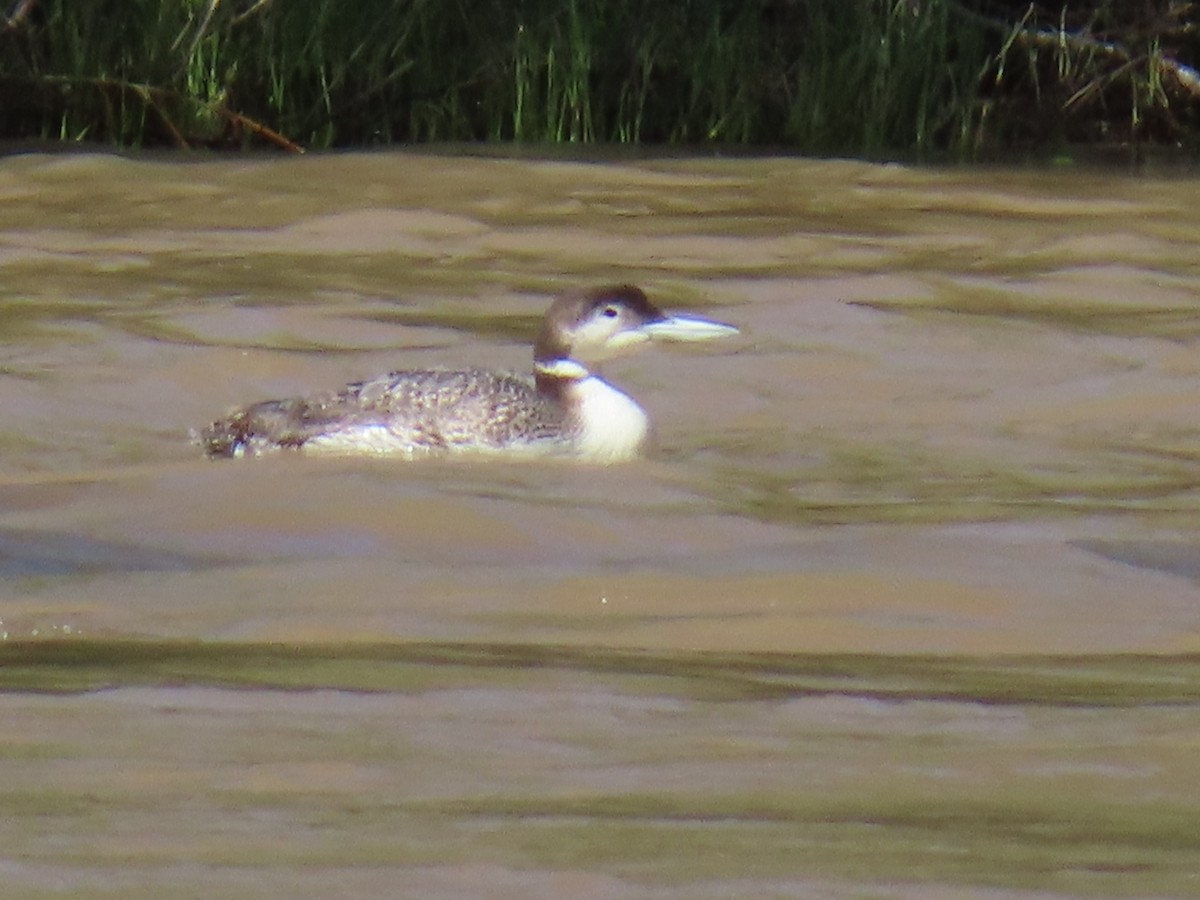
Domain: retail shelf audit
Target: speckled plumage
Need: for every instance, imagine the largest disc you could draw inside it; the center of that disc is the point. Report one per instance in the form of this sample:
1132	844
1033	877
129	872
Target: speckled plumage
408	412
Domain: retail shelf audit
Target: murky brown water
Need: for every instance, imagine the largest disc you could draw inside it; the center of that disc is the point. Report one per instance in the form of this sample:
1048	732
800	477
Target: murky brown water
862	625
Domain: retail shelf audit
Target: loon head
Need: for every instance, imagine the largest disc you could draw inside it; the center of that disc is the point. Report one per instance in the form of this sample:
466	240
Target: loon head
593	325
586	327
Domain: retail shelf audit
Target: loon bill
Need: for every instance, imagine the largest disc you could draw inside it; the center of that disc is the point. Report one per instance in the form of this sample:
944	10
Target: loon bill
564	410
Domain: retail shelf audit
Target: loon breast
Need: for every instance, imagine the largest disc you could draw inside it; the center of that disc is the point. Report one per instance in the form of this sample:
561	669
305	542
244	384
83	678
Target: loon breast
605	424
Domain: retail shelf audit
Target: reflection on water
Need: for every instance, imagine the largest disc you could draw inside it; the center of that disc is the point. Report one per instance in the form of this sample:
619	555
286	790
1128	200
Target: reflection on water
903	604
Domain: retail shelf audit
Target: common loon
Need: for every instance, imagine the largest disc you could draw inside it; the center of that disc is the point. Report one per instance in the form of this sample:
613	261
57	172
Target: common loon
564	410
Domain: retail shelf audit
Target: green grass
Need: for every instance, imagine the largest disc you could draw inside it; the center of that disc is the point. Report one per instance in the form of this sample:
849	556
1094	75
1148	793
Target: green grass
826	76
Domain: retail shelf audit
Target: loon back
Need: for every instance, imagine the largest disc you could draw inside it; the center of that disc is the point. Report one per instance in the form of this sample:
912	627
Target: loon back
409	413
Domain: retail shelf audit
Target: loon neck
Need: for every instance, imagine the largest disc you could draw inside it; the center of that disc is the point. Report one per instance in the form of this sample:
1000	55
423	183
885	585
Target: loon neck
607	425
556	377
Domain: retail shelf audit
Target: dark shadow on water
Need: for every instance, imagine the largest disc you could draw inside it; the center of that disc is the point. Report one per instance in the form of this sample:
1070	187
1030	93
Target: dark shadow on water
1092	681
26	554
1171	557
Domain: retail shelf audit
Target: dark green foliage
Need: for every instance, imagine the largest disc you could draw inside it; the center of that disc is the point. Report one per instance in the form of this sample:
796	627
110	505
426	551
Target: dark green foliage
1093	71
827	76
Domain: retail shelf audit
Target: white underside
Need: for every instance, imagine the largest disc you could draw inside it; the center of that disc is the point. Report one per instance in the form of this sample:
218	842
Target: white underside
364	439
613	426
379	440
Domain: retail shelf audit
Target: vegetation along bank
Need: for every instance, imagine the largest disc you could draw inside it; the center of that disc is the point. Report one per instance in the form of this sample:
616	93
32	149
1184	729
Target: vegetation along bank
872	77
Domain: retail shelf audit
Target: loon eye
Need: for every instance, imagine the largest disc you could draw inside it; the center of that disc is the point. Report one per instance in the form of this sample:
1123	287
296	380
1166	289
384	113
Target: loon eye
610	312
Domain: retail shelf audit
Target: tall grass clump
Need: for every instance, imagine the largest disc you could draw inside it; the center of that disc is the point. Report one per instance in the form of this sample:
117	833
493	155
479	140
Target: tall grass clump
1085	72
831	76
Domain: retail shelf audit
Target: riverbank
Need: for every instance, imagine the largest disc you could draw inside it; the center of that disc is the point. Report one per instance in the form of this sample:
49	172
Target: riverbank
916	77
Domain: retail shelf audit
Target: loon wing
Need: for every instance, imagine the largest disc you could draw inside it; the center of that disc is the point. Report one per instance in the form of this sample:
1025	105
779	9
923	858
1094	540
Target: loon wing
407	412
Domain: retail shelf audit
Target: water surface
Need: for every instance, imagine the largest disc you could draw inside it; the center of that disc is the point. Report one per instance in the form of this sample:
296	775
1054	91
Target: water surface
903	603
